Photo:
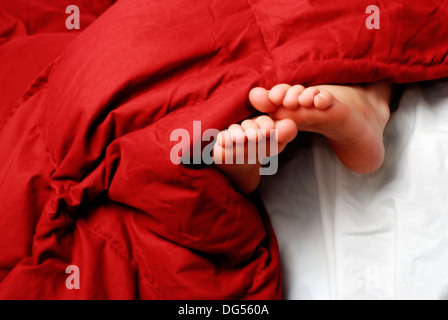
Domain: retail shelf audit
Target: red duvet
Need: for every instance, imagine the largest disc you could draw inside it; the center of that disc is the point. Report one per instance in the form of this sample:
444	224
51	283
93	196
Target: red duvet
86	178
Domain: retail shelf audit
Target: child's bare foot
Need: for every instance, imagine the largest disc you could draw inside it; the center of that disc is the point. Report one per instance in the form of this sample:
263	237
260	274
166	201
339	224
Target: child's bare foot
352	118
236	151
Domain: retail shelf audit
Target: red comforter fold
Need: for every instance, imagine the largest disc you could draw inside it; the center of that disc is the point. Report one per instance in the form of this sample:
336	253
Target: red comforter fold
86	178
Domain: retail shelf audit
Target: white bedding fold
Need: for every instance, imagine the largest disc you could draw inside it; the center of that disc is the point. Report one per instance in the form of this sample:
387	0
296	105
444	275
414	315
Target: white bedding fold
382	236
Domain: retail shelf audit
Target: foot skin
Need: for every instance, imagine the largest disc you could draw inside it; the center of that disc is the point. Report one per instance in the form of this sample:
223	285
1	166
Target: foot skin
352	118
236	141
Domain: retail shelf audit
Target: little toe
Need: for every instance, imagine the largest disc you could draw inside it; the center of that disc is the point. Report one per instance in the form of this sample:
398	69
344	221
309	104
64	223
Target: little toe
260	100
306	99
278	92
291	100
323	100
227	140
222	138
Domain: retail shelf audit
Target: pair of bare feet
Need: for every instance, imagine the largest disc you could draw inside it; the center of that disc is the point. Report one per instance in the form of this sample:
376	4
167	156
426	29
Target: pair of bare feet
352	118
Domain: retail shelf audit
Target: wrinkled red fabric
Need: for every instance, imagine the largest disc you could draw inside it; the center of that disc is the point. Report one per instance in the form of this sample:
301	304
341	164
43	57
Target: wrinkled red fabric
86	177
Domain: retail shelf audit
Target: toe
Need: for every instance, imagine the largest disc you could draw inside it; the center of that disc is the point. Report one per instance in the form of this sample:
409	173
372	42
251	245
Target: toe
260	100
250	128
291	100
237	133
220	139
286	131
277	93
323	100
266	124
306	99
226	139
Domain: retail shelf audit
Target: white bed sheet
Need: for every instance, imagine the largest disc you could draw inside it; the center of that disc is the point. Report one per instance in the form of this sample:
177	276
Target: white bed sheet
382	236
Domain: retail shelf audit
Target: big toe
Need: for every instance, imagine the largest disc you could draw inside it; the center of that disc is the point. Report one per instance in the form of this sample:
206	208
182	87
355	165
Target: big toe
259	98
286	131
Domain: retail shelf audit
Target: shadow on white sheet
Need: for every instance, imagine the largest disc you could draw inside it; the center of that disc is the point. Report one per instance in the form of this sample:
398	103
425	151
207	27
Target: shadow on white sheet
382	236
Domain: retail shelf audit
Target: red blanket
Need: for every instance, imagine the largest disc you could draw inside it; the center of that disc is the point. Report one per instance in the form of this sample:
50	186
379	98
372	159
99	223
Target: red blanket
88	191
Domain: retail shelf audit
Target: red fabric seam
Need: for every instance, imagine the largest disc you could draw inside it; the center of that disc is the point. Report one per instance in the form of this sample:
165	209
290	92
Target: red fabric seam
122	254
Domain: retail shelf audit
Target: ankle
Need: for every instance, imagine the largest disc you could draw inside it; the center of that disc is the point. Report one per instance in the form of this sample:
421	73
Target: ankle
380	96
380	91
